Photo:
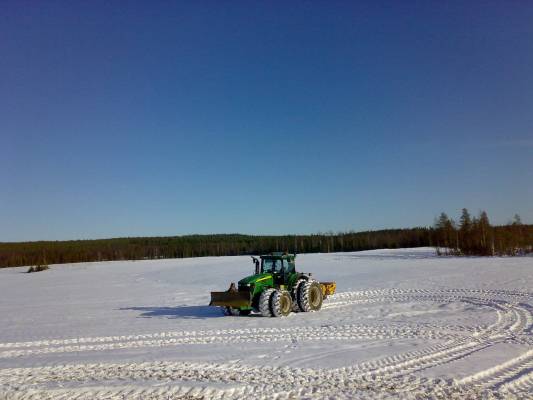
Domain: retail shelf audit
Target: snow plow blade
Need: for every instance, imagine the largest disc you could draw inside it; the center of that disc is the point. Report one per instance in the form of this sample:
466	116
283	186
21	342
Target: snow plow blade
232	299
328	288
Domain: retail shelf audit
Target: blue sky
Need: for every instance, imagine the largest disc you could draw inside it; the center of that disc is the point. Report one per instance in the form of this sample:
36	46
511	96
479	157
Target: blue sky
165	118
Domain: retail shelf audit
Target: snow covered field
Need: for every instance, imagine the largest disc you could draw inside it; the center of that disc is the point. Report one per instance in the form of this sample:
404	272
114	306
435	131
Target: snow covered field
404	324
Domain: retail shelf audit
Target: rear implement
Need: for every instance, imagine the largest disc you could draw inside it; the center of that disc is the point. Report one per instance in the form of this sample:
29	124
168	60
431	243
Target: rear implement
328	288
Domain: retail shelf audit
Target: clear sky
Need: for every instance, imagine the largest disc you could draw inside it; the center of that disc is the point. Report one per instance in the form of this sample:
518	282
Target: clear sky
165	118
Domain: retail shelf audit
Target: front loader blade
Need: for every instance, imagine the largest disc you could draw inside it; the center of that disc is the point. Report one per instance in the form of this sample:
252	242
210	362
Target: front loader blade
232	299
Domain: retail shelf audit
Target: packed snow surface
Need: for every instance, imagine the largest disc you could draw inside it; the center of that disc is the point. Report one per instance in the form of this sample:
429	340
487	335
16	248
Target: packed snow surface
403	324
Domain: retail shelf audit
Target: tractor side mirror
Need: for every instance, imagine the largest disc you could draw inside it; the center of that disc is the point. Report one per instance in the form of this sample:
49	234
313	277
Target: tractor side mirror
256	262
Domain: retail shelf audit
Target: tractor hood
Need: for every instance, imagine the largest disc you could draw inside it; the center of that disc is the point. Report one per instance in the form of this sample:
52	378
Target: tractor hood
255	278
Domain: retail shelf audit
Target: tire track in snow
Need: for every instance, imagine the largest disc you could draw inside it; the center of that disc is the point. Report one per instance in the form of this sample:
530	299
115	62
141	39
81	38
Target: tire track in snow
521	386
514	322
258	382
509	322
328	333
227	333
512	376
340	299
374	296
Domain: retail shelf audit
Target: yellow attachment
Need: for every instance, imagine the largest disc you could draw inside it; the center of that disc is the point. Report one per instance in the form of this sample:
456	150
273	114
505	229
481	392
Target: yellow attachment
328	288
233	299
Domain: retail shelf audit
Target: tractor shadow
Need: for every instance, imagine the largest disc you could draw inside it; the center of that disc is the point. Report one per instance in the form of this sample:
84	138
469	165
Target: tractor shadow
180	312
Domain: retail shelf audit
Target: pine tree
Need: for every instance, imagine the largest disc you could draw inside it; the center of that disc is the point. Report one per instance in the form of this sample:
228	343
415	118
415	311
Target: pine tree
465	220
446	233
486	239
465	230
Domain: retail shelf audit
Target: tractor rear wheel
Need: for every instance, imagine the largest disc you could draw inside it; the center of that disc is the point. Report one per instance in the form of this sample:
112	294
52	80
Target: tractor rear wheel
310	296
295	293
281	303
264	302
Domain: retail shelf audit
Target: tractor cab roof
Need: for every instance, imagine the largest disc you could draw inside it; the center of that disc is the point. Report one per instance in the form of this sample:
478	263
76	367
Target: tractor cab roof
279	256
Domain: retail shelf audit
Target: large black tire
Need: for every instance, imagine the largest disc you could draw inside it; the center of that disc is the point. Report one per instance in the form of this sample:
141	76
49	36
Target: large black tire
310	296
294	294
264	302
280	303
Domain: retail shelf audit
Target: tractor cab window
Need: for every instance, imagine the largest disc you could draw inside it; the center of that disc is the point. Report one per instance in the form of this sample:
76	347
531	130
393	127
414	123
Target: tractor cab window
272	265
288	266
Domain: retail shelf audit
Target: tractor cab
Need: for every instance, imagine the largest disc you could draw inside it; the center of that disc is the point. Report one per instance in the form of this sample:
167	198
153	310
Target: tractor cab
280	265
271	265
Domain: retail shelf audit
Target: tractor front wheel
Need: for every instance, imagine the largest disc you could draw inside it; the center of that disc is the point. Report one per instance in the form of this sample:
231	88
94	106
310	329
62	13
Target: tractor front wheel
264	302
295	291
281	303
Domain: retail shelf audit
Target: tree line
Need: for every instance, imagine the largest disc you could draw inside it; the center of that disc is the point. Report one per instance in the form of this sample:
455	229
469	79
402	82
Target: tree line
141	248
476	236
470	236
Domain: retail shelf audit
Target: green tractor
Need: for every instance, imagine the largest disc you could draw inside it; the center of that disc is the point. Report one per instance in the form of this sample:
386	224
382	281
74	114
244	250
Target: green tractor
274	290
